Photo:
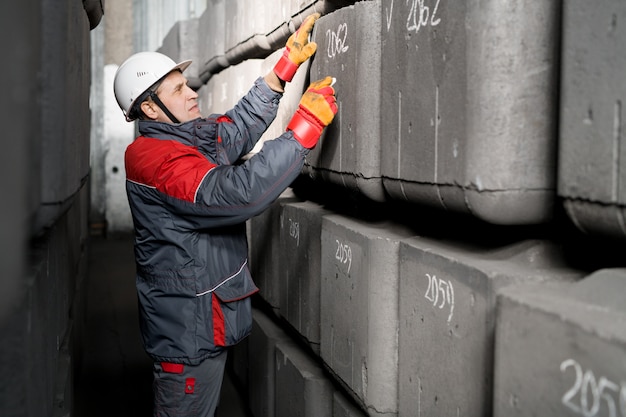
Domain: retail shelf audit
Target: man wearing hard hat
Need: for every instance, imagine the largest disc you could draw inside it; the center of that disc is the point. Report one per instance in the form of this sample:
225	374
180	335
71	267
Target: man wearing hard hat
190	201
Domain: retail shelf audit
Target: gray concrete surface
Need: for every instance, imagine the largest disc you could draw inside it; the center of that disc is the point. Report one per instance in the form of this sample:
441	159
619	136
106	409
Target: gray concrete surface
265	253
359	313
115	378
302	389
352	158
447	310
469	92
591	147
265	335
300	276
561	348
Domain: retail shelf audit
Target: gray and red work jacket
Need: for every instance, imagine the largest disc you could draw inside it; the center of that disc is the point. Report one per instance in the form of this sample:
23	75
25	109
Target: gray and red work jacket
190	197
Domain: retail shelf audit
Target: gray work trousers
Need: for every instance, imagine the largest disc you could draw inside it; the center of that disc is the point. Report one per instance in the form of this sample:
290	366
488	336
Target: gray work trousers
188	391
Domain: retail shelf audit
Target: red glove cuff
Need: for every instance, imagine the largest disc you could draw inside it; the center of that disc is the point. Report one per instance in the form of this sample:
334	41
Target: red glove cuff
285	68
306	128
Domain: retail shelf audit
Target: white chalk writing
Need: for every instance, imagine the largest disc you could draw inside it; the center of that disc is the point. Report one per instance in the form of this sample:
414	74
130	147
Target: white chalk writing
344	254
337	40
294	231
587	394
441	294
420	15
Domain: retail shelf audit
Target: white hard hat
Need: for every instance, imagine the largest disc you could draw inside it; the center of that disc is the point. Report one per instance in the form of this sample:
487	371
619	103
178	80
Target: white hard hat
138	73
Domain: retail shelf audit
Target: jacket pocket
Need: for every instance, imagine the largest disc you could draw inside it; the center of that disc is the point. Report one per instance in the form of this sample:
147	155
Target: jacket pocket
232	321
225	313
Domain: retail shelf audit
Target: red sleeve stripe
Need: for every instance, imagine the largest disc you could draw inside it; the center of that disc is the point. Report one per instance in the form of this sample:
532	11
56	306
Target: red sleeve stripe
169	166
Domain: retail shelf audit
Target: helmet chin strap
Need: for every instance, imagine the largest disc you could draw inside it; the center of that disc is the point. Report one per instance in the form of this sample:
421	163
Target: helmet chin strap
159	103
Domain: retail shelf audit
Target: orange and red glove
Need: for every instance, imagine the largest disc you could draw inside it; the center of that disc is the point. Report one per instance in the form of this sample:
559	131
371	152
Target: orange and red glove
297	50
316	110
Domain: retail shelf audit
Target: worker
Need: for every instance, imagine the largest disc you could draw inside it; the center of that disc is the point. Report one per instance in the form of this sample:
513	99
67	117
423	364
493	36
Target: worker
190	195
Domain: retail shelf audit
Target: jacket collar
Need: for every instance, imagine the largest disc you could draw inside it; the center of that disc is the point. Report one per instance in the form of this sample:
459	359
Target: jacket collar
181	132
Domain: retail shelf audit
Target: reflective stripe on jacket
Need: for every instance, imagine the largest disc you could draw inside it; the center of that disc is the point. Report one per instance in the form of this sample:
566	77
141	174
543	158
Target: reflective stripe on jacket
190	196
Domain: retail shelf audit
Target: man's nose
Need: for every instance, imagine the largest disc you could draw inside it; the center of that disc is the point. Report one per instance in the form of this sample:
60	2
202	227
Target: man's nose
192	93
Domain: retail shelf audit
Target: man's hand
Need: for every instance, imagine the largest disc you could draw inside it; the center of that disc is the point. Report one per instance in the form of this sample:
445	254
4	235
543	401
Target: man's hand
297	50
317	110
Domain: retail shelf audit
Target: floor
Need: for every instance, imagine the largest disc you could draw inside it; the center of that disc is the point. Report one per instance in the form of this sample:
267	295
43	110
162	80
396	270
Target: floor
115	377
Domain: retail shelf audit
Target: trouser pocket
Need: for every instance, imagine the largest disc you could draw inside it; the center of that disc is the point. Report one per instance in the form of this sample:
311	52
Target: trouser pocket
185	390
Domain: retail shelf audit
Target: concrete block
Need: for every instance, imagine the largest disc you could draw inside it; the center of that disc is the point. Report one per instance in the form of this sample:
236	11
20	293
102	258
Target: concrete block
300	246
212	31
265	256
447	318
65	113
342	407
152	19
359	295
470	99
181	43
247	18
302	389
20	171
560	349
349	45
64	389
212	95
38	330
226	88
591	149
262	364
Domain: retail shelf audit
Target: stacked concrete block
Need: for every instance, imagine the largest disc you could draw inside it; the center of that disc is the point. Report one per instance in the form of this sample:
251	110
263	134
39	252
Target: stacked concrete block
225	89
255	31
285	381
262	364
470	99
244	19
343	407
247	18
37	348
359	295
302	389
212	31
213	96
45	167
592	148
447	318
560	349
349	45
300	246
265	257
64	115
182	43
151	19
19	176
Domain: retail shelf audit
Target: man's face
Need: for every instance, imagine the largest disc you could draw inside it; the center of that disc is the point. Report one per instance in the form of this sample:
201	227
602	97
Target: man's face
178	97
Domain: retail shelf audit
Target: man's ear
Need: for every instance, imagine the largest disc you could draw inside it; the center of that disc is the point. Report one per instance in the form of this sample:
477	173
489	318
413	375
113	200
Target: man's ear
148	108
